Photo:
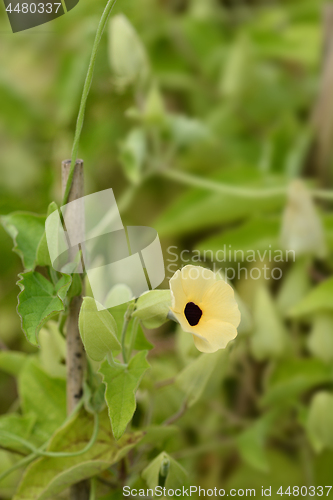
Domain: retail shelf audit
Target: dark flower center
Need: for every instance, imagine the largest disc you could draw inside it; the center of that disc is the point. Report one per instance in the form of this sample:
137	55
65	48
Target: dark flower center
192	313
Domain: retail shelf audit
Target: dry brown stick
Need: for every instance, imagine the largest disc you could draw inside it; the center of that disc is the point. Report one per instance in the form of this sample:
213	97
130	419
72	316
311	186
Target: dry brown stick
76	358
322	118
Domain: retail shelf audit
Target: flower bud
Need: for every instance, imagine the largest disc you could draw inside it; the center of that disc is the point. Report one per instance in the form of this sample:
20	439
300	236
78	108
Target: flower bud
154	111
302	229
127	54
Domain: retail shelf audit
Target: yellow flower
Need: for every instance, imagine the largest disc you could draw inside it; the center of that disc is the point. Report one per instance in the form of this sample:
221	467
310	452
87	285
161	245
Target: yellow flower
205	306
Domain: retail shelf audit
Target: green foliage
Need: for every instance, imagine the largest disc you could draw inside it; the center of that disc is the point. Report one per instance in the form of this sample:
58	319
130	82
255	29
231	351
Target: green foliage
175	476
293	377
320	421
251	445
319	299
195	376
121	383
199	123
320	341
152	308
295	286
19	426
42	253
51	475
189	213
52	351
39	301
26	230
12	362
257	234
98	330
127	54
43	396
133	153
269	338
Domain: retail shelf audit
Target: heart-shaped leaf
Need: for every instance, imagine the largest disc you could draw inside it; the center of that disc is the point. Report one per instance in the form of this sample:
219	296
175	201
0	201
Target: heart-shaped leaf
98	330
39	300
121	384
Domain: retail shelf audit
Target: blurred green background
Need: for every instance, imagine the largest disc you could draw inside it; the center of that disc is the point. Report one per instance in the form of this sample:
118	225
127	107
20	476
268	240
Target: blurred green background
230	96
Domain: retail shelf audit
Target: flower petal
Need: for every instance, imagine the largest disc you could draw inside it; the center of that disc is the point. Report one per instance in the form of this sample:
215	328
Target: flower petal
219	302
195	281
178	296
213	335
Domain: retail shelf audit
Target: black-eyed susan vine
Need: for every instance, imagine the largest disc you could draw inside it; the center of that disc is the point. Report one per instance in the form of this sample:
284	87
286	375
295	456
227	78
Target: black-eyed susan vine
124	428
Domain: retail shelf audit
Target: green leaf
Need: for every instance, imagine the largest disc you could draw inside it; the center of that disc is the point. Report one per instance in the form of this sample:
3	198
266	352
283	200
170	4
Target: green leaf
154	110
186	131
251	447
49	476
17	425
127	54
195	376
42	253
76	286
319	299
200	209
26	230
39	300
152	308
320	341
141	343
43	396
52	350
94	400
293	377
122	383
257	234
294	287
234	76
98	330
269	339
176	478
320	421
251	442
12	362
133	153
156	434
119	292
282	470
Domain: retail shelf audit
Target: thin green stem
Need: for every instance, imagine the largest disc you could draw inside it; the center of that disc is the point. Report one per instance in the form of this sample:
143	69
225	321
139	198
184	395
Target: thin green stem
85	93
30	458
133	335
218	187
41	452
123	337
241	192
92	489
127	319
21	463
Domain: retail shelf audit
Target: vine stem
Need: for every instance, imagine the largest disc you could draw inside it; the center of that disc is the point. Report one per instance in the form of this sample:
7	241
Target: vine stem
30	458
55	454
218	187
241	192
127	319
85	93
